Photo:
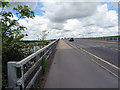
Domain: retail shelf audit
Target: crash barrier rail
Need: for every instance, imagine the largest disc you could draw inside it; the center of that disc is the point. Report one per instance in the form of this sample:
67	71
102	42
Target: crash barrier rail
106	38
22	74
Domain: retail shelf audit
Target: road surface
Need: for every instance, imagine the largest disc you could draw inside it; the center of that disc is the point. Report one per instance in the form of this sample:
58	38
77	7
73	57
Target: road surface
72	69
104	49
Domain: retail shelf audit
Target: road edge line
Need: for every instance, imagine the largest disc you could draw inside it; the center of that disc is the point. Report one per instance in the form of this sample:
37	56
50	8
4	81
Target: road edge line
105	68
101	59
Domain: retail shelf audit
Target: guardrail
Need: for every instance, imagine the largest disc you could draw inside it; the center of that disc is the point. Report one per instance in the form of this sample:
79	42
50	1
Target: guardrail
105	38
23	74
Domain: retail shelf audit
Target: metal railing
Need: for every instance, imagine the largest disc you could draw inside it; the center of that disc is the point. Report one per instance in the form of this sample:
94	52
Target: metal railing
105	38
23	74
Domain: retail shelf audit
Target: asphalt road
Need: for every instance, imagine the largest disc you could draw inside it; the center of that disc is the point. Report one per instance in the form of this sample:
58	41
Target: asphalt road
72	69
104	49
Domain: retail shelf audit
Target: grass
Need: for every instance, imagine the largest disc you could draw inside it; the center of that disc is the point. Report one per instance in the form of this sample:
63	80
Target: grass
40	81
44	65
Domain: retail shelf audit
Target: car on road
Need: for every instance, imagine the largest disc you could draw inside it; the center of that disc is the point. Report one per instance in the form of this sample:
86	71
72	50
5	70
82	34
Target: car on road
71	39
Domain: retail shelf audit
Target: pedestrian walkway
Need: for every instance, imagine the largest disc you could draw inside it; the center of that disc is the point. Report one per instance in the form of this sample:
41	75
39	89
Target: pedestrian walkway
72	69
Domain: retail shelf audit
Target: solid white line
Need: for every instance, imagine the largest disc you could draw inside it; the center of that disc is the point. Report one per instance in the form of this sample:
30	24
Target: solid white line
101	59
71	45
105	68
98	58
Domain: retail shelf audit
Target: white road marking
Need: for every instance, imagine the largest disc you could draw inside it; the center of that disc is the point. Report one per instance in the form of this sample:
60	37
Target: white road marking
105	68
71	45
101	59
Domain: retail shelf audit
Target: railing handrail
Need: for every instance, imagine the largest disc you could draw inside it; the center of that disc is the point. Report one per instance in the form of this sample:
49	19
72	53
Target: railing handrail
13	81
25	60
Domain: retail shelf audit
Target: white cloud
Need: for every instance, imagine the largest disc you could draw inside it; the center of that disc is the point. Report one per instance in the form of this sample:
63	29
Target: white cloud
51	1
102	23
61	11
31	5
34	26
102	18
72	24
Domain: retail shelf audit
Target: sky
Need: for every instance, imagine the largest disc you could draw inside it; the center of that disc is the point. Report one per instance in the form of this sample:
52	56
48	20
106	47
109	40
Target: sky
61	18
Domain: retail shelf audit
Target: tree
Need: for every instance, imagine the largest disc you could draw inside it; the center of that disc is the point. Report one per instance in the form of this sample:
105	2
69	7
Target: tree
43	40
13	49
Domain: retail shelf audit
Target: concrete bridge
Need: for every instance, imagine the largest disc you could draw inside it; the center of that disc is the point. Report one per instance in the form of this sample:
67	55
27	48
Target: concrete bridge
79	64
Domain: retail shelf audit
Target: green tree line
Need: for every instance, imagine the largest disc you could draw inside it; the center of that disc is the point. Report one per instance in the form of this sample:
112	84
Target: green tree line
13	49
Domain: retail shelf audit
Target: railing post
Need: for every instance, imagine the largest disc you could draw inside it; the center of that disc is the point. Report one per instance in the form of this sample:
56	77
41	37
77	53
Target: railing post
117	39
22	73
12	76
37	57
112	38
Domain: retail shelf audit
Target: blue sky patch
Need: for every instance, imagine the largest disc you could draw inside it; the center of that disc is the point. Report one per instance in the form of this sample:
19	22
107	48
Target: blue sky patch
38	10
110	6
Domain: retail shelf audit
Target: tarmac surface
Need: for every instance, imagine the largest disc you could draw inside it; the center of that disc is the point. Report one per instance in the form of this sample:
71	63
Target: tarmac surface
72	69
106	50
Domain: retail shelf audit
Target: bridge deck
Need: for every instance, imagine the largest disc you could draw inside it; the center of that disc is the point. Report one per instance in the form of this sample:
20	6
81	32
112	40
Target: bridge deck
72	69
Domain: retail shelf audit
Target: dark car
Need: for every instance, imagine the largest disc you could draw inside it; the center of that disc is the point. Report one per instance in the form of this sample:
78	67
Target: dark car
71	39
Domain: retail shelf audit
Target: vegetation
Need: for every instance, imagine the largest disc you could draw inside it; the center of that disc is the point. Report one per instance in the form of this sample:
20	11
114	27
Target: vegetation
109	37
42	40
44	65
104	37
112	36
12	47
